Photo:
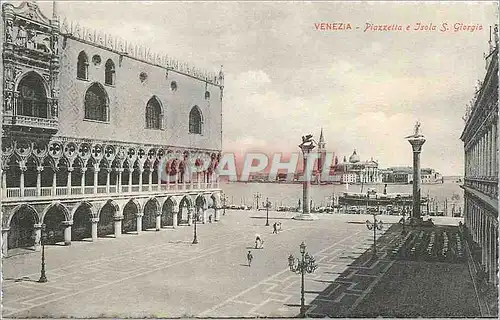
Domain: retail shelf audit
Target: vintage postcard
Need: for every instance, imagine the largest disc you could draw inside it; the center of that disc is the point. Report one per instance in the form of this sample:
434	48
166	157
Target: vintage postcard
249	159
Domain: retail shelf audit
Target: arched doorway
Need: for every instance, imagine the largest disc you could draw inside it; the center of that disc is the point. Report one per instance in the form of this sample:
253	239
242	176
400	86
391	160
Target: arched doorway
22	228
184	205
151	209
129	223
53	221
167	213
82	224
106	224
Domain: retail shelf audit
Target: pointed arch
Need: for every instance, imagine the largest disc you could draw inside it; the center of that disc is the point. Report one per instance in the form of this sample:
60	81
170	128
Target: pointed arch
195	120
154	114
109	72
96	103
82	66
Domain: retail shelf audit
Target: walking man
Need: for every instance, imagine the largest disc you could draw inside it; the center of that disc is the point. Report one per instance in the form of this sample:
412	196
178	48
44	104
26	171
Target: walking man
275	228
249	257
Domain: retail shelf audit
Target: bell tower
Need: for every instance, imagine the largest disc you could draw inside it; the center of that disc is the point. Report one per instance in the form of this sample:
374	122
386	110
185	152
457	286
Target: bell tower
322	154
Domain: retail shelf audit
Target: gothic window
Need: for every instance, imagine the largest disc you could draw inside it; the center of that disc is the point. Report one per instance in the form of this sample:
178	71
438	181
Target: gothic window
82	66
207	95
195	120
96	103
32	97
109	73
153	114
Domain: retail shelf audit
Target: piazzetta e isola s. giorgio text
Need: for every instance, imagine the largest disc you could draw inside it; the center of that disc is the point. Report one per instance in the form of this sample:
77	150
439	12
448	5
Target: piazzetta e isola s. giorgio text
418	26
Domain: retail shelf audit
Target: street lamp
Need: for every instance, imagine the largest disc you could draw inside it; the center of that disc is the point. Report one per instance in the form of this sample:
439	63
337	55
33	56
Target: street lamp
301	266
43	277
268	203
195	240
257	196
375	225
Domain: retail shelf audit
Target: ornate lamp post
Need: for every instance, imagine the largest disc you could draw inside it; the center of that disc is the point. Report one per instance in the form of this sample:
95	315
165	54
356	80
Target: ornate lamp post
195	239
375	225
268	203
257	196
307	145
301	266
43	277
403	220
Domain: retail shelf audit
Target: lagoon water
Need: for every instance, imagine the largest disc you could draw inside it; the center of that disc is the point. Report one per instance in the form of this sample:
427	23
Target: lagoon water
289	194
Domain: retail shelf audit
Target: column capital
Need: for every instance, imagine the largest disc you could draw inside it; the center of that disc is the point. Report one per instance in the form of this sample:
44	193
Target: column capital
68	223
23	168
118	218
94	220
84	169
39	169
38	225
70	169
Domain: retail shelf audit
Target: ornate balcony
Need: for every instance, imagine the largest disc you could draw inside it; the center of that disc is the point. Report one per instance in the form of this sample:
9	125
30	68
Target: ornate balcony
484	185
44	193
18	121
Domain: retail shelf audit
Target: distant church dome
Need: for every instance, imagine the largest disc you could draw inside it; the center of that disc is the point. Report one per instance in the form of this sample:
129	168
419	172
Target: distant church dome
354	157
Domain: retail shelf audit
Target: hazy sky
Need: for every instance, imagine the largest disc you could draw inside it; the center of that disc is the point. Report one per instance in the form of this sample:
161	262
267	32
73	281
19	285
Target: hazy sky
284	78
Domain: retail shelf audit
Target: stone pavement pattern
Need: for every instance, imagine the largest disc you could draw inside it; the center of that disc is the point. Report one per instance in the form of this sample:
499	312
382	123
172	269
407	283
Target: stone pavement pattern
162	274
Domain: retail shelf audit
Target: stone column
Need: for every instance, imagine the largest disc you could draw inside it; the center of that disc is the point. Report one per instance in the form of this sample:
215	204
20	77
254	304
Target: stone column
118	226
38	236
141	171
216	214
203	213
488	247
108	174
306	185
150	182
23	168
68	183
54	183
94	221
175	215
119	175
416	144
159	178
82	182
190	215
130	171
5	241
96	175
158	222
67	232
39	170
139	223
4	183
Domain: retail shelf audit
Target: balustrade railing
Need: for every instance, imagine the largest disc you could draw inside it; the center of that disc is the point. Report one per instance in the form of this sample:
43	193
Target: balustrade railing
15	192
101	189
483	185
30	192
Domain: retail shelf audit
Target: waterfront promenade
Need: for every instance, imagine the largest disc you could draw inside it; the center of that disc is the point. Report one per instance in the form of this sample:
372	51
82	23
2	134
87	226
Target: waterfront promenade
161	274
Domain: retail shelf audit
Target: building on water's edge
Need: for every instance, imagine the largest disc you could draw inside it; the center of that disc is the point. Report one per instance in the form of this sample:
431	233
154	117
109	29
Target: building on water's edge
480	137
88	122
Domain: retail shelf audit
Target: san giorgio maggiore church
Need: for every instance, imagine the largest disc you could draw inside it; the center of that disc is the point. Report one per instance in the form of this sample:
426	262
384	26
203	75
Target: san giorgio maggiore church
89	121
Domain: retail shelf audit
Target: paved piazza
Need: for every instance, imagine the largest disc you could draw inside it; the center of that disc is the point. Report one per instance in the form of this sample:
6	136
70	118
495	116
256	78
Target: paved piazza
161	274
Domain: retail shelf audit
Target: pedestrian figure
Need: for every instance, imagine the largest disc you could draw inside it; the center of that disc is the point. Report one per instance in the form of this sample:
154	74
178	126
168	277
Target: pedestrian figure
275	228
259	243
279	226
249	257
210	218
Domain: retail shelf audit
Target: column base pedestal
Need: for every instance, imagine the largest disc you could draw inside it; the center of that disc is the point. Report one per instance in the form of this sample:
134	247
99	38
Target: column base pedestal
305	217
